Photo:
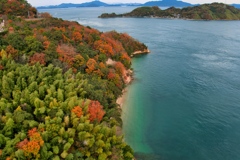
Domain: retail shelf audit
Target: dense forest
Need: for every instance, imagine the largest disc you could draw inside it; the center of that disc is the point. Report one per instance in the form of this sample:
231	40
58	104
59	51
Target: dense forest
214	11
16	8
58	93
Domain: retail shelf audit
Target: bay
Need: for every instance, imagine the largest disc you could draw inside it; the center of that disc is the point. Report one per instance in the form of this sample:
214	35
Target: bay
184	103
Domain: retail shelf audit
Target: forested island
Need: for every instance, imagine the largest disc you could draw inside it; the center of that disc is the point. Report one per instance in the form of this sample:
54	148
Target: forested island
214	11
58	91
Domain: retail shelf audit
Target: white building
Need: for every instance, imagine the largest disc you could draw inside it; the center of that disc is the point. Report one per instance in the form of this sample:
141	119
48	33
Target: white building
2	24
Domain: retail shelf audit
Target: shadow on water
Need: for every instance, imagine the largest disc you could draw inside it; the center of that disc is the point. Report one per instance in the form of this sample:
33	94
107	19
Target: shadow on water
147	156
141	55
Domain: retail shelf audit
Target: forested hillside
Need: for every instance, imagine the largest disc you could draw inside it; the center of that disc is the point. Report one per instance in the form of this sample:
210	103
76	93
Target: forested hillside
17	8
58	94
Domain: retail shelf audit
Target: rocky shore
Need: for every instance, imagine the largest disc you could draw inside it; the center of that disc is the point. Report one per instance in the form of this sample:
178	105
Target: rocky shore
136	53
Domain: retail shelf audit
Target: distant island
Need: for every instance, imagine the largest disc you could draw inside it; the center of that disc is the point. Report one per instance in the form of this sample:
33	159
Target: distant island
97	3
214	11
168	3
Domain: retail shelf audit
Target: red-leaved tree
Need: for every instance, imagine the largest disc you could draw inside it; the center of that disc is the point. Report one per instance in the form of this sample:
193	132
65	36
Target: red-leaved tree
95	109
38	57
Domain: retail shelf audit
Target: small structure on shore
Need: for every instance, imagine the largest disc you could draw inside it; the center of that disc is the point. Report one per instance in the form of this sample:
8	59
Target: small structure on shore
2	25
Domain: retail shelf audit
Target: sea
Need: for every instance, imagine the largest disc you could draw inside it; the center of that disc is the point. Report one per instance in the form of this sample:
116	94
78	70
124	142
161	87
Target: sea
184	102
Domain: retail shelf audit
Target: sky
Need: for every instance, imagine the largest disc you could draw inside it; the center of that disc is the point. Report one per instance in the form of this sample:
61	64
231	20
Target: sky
36	3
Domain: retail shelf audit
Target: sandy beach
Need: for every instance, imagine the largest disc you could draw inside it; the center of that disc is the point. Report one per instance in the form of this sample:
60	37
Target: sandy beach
122	98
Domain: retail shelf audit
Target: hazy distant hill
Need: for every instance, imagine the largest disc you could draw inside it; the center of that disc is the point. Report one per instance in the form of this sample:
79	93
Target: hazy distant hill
125	4
96	3
69	5
93	4
167	3
89	4
63	5
102	4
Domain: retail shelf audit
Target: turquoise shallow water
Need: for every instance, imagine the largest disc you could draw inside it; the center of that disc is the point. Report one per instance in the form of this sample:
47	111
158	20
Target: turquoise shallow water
184	103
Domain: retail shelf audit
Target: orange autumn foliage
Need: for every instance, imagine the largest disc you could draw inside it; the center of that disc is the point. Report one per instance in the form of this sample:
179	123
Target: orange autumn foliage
125	57
76	36
65	38
31	132
77	110
111	74
32	146
63	29
88	35
17	8
116	45
11	51
88	39
38	57
95	110
102	65
115	78
37	138
22	143
66	53
103	47
120	69
46	44
91	65
45	15
98	72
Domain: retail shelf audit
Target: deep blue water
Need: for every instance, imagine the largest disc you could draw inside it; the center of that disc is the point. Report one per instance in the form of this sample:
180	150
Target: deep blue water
185	101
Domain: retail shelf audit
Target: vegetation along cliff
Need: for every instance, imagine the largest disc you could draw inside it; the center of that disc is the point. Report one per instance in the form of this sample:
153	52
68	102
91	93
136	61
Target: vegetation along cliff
58	94
214	11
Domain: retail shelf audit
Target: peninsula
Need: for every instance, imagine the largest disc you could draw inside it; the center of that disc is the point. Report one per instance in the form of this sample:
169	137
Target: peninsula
214	11
58	91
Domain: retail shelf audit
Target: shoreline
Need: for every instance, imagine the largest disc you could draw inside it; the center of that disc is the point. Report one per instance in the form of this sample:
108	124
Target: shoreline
128	79
173	18
121	100
126	105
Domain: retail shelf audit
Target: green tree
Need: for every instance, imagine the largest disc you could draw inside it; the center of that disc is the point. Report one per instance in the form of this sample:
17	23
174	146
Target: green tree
33	45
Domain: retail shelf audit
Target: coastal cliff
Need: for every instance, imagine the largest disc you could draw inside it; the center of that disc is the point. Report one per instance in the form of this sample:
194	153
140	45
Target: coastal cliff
214	11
